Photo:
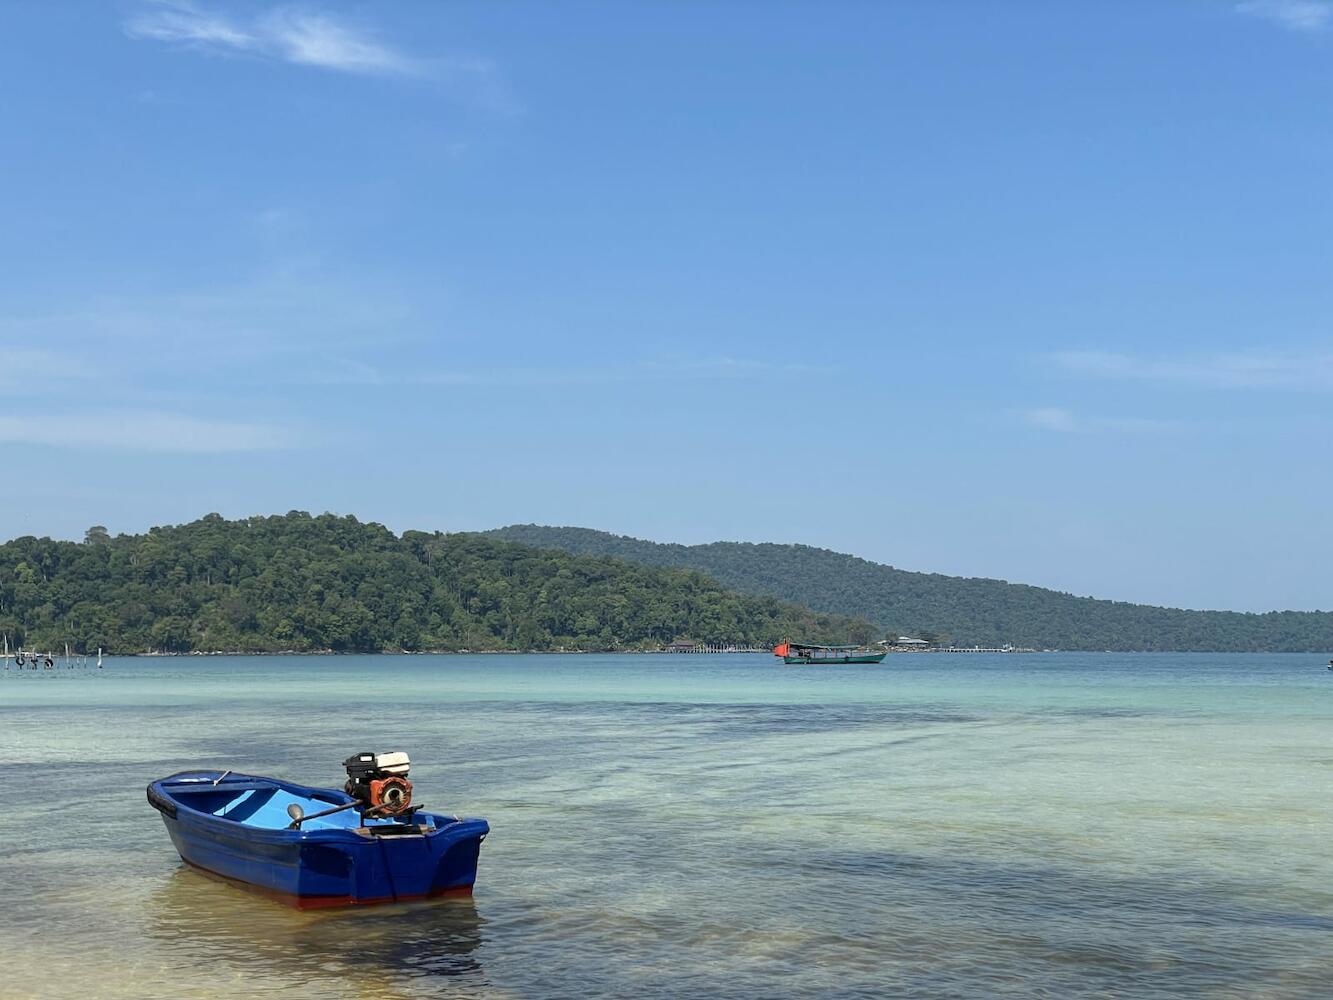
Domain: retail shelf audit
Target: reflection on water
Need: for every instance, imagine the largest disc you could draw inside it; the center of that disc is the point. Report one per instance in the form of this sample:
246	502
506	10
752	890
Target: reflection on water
377	944
967	827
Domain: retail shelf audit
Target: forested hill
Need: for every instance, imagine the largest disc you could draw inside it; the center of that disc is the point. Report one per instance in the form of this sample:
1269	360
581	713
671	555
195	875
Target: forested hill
967	611
298	582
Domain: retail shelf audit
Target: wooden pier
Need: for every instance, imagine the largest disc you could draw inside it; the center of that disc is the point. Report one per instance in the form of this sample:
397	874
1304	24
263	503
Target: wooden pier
682	646
960	649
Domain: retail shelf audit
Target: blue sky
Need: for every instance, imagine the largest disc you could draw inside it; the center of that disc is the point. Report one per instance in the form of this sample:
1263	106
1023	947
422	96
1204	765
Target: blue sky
1033	290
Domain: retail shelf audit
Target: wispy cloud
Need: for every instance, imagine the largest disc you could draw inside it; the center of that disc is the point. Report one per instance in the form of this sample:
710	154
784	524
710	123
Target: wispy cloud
229	334
1308	370
182	22
38	368
341	371
1298	15
1054	418
311	39
140	431
303	35
293	34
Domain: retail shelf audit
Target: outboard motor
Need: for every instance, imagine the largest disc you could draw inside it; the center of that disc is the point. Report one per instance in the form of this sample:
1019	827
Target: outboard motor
379	781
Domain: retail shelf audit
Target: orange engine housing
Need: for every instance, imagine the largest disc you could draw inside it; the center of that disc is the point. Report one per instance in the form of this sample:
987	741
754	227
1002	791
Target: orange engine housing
390	796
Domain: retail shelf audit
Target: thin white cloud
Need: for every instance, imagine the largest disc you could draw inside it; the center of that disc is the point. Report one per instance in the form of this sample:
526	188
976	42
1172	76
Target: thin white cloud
1051	418
729	367
37	368
182	22
155	343
342	371
1054	418
311	39
292	34
1298	15
1272	370
302	35
140	431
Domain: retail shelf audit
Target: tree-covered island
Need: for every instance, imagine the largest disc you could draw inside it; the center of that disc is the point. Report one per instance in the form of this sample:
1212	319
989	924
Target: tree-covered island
303	583
967	611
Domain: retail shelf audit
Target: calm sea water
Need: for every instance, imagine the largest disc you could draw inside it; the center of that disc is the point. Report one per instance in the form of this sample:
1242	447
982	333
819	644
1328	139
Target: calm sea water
936	826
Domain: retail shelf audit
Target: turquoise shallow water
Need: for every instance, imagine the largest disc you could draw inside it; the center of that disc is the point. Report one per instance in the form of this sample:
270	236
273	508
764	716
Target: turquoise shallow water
935	826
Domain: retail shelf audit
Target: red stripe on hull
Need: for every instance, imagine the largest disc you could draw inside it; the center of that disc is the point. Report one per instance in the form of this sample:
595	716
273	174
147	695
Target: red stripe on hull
324	902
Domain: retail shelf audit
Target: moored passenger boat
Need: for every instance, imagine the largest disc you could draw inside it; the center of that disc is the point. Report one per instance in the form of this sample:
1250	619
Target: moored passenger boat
796	652
316	847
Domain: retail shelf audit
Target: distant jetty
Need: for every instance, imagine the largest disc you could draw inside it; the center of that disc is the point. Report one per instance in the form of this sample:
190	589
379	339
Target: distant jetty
966	649
686	646
901	646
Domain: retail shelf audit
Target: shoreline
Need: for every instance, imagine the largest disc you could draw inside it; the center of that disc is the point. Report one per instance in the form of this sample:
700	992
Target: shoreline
390	652
642	652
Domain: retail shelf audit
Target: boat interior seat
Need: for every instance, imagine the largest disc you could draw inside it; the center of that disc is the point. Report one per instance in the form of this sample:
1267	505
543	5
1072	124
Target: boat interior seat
207	787
266	808
262	804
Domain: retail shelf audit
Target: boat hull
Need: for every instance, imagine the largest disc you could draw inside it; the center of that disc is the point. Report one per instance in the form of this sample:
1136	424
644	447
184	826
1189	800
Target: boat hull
859	658
330	867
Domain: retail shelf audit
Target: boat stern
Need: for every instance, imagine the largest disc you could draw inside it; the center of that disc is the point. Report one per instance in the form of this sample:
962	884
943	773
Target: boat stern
394	864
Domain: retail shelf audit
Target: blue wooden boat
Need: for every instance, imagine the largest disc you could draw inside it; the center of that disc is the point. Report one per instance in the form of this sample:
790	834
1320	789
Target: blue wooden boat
316	847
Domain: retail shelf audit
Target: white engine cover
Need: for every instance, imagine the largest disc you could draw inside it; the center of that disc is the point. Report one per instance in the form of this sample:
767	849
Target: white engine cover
392	763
